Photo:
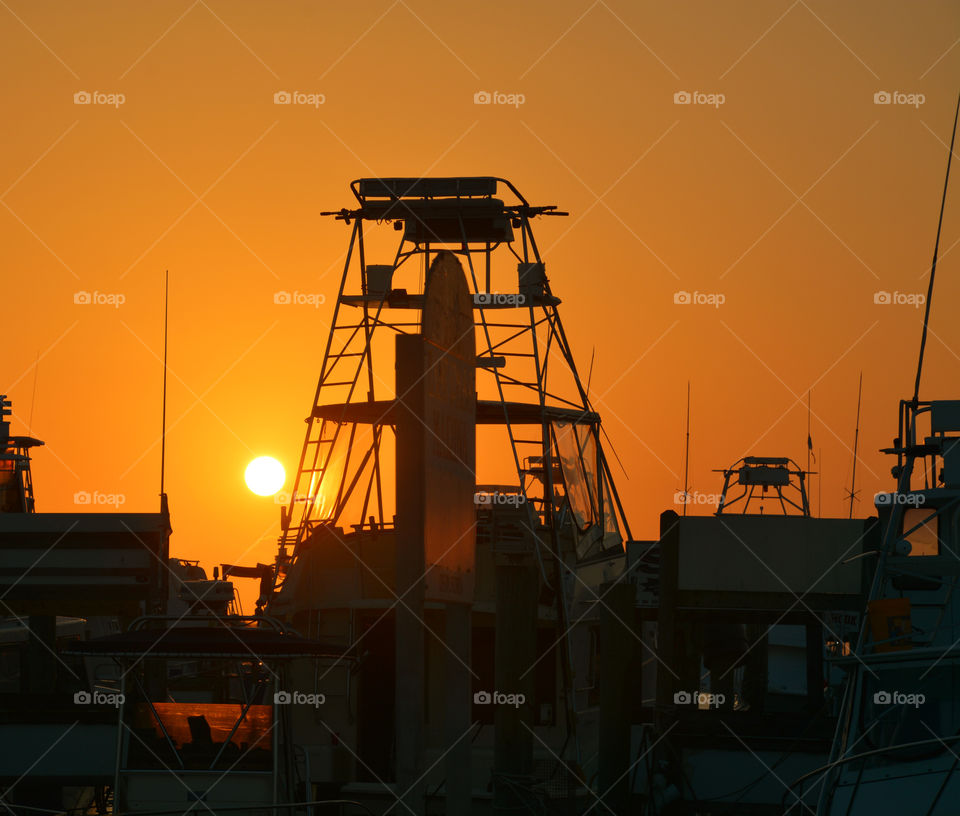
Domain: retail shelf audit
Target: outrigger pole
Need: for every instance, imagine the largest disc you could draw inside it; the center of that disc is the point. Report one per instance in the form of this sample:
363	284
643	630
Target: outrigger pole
936	249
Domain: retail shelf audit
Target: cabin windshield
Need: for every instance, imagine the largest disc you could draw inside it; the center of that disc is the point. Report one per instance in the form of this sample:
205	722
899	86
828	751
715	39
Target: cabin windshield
200	736
587	488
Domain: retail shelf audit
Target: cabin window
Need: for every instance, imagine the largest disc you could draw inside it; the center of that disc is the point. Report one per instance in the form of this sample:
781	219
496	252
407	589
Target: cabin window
925	540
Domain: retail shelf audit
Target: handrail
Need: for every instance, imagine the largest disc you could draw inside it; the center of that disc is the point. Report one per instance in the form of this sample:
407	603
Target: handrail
137	623
246	807
864	754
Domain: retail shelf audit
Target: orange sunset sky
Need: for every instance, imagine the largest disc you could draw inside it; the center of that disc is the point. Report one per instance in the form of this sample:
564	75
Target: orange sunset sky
794	195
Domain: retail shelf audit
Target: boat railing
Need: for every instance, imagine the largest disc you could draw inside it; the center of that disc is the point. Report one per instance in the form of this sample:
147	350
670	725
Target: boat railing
823	769
140	622
277	807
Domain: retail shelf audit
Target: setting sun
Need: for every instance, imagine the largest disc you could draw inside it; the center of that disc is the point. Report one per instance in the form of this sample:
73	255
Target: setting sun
264	476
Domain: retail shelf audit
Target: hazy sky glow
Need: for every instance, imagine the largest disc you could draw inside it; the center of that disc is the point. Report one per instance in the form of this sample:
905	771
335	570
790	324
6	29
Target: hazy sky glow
741	152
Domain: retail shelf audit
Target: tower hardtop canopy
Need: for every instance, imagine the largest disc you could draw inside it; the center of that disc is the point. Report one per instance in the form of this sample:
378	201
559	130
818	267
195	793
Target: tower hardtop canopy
386	199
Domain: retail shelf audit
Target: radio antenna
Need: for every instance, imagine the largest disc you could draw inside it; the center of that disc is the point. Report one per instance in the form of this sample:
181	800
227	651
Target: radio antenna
33	398
686	457
163	415
856	438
